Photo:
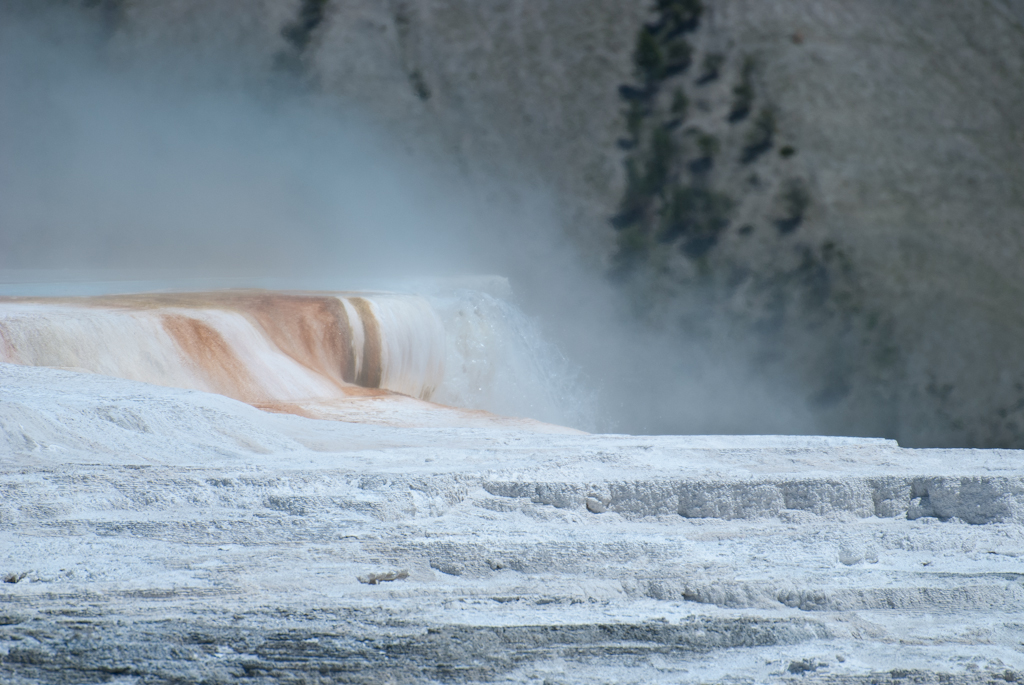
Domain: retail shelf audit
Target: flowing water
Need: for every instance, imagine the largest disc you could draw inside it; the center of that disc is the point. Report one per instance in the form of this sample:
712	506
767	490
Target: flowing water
461	347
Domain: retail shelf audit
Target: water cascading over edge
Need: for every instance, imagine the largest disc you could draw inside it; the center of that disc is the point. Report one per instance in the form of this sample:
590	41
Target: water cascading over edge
258	347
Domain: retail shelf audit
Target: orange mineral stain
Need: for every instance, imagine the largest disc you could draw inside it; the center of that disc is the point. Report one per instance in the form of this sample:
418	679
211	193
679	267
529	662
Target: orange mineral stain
212	357
370	373
353	357
257	346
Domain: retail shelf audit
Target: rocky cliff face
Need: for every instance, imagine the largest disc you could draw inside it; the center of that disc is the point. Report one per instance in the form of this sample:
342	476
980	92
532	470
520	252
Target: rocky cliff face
841	184
848	180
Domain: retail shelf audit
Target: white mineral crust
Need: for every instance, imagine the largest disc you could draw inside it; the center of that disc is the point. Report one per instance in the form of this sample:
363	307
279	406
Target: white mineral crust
159	534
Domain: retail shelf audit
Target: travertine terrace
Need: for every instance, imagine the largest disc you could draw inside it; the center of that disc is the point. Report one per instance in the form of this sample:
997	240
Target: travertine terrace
256	346
153	534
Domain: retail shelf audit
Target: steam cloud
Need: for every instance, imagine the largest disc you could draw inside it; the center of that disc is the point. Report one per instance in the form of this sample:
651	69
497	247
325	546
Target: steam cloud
175	170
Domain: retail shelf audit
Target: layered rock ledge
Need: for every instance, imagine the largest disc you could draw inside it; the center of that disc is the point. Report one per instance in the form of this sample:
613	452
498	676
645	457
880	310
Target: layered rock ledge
153	535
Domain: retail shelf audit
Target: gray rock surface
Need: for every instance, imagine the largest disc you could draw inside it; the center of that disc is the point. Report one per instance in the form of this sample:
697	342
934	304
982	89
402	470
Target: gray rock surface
157	535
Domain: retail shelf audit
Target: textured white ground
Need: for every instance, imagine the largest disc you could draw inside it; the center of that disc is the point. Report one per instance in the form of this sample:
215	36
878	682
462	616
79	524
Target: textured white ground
170	535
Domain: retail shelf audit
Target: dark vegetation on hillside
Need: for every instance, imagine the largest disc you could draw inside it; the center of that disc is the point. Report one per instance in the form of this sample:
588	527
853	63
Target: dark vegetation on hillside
298	33
718	226
709	185
673	195
670	197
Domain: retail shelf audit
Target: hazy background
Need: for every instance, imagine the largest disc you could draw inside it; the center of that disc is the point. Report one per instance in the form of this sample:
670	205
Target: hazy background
365	144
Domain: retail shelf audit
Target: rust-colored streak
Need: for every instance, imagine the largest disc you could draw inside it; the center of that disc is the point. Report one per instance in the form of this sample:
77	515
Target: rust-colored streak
285	408
313	331
370	373
343	329
212	356
311	328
